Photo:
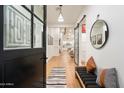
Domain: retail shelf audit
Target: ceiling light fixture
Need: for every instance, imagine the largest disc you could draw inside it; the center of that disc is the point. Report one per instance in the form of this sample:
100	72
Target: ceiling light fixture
60	18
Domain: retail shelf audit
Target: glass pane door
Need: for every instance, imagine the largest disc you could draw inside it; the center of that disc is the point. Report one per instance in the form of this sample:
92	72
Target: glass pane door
38	31
76	45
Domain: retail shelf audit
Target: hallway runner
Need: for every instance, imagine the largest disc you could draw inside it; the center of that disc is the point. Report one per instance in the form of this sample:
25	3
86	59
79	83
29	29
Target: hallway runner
57	78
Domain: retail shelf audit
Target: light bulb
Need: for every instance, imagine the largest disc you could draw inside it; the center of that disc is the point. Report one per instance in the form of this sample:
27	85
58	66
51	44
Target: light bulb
60	18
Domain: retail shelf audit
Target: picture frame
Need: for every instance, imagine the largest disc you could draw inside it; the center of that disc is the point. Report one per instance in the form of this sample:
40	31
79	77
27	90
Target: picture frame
94	40
99	39
50	40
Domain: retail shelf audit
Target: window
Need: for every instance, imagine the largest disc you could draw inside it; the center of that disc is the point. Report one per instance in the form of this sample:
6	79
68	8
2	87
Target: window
38	10
38	29
17	28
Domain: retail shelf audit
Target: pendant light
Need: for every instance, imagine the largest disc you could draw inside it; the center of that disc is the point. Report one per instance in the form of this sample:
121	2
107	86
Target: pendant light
60	18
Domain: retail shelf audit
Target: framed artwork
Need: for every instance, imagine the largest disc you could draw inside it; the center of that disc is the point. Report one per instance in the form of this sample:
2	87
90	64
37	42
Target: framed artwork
99	39
50	40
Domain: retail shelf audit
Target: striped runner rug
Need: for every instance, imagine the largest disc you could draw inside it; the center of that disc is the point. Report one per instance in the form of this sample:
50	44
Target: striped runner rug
57	78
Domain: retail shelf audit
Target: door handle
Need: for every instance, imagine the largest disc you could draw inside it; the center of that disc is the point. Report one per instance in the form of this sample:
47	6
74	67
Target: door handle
44	58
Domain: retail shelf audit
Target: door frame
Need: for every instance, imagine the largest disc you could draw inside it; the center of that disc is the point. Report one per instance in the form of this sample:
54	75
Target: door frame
44	45
77	42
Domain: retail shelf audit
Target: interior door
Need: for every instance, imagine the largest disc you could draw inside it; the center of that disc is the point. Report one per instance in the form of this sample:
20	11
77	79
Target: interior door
22	46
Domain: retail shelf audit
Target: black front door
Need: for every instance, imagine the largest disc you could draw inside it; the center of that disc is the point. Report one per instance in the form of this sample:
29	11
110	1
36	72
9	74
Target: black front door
22	46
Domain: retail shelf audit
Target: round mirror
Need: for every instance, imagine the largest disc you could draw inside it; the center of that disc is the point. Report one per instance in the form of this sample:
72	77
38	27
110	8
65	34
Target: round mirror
99	34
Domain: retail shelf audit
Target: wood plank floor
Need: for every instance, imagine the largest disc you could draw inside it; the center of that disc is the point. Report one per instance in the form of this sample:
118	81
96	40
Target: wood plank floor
64	60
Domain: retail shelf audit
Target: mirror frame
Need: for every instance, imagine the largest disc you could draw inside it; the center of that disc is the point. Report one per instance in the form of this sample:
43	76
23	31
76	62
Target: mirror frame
107	34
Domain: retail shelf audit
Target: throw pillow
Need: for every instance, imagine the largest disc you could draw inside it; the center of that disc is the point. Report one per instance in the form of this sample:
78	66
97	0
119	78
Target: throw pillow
101	78
91	66
107	78
111	80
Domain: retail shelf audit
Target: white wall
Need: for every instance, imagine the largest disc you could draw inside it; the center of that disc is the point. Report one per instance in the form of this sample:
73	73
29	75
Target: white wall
53	50
112	54
82	45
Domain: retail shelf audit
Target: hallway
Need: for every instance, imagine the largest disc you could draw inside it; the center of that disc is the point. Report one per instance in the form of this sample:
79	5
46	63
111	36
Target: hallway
64	60
41	45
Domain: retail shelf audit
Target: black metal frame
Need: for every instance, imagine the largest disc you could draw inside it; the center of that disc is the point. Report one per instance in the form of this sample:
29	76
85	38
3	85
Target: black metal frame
44	44
32	12
28	49
1	43
77	27
106	34
82	19
32	21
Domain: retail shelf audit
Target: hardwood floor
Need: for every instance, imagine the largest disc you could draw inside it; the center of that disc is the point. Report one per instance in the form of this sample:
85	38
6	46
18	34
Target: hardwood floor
64	60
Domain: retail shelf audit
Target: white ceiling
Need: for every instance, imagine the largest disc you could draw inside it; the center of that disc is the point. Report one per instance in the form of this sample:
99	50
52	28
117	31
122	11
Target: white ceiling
70	14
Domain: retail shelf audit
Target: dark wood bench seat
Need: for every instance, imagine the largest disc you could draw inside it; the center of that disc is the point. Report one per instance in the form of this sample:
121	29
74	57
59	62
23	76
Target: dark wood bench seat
87	80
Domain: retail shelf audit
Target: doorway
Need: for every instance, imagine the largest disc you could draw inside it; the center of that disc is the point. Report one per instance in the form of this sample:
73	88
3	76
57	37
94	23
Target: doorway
61	65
